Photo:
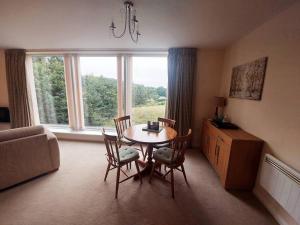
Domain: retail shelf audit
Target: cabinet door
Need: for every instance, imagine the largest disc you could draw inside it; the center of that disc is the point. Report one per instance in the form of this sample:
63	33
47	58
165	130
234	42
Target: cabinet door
222	157
205	141
212	149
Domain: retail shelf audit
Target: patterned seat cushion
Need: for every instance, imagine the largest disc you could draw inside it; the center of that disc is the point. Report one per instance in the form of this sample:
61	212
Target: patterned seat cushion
164	155
161	145
126	141
128	154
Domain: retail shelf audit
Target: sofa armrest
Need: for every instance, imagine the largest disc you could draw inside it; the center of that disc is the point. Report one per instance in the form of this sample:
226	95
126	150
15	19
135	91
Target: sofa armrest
23	158
53	148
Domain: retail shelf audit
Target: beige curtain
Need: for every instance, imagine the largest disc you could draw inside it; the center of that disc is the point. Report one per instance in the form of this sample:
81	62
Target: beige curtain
181	72
19	106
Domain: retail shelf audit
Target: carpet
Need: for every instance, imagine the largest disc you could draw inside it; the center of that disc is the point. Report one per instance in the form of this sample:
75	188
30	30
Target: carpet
77	195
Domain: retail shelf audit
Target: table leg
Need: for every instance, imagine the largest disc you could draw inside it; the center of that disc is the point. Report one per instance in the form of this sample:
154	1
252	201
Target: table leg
148	165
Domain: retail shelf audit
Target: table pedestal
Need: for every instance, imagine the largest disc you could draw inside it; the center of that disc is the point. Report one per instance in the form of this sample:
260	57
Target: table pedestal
147	165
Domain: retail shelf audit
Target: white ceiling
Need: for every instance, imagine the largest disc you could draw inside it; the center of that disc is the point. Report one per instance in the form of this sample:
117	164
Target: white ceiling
47	24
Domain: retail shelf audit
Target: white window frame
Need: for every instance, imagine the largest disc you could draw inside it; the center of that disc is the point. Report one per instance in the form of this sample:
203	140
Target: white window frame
73	81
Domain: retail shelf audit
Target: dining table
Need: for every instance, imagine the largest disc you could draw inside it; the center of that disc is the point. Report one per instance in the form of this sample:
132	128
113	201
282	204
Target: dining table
136	134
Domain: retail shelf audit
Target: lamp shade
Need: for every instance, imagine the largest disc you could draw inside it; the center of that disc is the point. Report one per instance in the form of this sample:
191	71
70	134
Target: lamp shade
220	101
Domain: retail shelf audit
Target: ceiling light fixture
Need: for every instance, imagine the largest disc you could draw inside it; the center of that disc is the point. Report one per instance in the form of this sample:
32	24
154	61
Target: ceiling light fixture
130	21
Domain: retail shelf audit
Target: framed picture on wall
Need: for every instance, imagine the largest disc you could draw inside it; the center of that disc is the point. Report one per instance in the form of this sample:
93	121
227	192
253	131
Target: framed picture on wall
247	80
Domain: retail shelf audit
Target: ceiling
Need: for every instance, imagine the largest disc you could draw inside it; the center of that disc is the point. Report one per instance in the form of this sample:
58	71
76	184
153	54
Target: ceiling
44	24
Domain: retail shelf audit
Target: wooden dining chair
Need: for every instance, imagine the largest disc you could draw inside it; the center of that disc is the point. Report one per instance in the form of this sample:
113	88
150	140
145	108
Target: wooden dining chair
122	123
173	158
118	157
165	123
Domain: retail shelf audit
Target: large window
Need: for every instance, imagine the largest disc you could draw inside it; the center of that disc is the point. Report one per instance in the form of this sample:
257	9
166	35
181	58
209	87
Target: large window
149	88
50	89
99	90
89	91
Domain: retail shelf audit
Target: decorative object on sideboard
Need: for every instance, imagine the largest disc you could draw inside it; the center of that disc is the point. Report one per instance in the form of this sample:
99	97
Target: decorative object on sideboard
130	21
247	80
4	115
220	102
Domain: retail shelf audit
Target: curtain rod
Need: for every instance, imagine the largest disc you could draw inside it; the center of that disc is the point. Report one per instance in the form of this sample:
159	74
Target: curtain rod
98	51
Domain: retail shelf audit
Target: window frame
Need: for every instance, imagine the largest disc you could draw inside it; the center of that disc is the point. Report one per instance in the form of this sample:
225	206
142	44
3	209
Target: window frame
73	82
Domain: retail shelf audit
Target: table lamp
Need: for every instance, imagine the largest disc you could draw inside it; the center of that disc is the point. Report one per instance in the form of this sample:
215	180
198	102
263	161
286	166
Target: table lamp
219	102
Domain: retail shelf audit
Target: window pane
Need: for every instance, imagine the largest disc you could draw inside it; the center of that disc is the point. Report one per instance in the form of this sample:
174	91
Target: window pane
99	90
149	89
50	89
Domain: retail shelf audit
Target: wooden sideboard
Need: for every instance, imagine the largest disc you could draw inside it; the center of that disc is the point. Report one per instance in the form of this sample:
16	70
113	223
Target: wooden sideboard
234	155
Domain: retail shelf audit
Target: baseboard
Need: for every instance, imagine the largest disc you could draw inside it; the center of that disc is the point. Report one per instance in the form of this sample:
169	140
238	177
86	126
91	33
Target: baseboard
280	215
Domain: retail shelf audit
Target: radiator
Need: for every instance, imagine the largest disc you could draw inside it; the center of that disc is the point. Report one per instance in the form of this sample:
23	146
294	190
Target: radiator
282	183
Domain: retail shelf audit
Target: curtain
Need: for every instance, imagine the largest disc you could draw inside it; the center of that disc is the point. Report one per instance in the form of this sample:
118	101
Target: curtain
20	112
181	72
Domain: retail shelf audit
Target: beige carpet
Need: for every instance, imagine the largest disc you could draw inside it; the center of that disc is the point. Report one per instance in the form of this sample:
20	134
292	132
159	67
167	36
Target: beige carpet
77	195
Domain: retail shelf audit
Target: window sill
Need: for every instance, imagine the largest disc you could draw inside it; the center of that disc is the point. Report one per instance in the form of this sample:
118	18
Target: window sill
92	134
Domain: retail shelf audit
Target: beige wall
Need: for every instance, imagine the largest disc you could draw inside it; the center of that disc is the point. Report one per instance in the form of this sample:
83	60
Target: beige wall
3	86
276	118
207	85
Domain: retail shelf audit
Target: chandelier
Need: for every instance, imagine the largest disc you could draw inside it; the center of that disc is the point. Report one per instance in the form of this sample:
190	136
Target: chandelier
130	21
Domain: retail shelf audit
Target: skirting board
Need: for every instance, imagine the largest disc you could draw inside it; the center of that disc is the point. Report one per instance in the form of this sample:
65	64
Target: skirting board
280	215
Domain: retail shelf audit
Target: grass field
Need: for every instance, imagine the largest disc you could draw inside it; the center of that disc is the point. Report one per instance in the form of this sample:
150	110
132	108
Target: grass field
144	113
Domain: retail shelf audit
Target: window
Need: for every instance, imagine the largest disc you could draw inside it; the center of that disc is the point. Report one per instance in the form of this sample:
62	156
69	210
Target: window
149	88
50	89
99	90
89	91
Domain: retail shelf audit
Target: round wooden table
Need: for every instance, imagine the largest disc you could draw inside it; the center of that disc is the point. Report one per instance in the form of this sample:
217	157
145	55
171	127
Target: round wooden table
137	135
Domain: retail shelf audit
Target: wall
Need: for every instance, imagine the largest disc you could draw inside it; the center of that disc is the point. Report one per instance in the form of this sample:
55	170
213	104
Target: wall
206	86
276	118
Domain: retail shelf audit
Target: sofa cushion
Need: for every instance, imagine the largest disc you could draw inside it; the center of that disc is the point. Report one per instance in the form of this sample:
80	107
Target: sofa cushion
16	133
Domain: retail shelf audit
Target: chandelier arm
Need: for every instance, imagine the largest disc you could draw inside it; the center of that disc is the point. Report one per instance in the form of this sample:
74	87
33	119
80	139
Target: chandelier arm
130	21
125	26
131	32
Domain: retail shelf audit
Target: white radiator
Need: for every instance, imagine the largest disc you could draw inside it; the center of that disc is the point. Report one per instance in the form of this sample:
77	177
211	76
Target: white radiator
283	184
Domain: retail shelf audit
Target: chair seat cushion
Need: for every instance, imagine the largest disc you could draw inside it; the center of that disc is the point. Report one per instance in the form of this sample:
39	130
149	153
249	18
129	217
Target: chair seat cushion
164	155
126	141
128	154
161	145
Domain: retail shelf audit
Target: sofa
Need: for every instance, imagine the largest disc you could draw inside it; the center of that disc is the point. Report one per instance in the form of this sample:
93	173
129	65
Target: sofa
26	153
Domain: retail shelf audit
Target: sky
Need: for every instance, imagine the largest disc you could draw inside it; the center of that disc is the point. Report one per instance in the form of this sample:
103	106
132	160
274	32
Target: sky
149	71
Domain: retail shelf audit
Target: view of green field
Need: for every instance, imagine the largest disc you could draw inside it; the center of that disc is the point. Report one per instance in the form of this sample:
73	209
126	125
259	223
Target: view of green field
142	114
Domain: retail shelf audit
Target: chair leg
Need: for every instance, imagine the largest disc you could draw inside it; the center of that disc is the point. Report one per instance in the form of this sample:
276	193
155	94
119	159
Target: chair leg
142	150
172	182
107	170
145	156
138	170
117	182
183	171
152	171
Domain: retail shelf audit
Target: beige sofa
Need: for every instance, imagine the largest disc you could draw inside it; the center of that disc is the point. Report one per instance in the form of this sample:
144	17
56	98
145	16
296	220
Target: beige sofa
26	153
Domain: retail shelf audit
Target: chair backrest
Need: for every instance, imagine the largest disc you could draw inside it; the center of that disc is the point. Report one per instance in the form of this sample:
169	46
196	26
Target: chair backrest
166	122
180	145
111	143
122	123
